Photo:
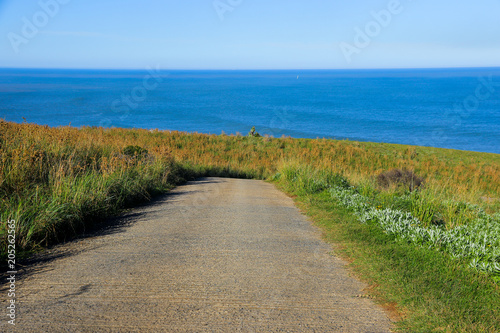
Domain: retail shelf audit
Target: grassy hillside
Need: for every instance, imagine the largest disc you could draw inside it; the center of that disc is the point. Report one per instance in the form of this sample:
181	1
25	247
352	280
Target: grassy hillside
409	202
47	172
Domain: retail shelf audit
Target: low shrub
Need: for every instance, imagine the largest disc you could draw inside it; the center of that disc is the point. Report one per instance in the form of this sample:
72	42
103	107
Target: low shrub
134	151
399	178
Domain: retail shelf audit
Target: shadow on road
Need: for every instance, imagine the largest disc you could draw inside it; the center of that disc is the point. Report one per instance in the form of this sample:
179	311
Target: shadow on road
37	262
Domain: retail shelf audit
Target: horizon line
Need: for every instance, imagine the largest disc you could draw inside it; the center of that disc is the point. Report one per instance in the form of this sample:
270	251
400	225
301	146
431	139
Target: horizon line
253	69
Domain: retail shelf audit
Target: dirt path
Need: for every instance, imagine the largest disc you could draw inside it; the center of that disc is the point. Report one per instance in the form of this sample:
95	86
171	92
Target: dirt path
215	255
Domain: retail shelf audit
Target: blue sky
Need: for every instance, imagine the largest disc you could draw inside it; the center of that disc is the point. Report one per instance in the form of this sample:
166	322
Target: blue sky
249	34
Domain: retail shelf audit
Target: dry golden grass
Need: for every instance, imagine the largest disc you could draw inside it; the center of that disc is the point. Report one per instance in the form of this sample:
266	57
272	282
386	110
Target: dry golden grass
469	175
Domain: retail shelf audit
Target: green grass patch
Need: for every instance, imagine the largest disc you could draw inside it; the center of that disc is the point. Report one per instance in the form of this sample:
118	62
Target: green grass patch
432	292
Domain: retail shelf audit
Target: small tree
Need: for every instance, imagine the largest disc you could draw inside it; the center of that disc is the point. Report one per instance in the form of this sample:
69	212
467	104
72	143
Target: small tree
254	133
135	151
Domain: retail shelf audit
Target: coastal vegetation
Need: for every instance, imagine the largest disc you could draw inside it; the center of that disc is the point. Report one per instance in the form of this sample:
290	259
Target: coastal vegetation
419	224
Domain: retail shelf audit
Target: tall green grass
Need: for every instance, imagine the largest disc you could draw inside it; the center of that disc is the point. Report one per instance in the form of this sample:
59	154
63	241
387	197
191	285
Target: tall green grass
57	186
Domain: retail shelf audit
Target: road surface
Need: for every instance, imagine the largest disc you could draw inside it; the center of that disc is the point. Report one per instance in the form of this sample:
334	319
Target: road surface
214	255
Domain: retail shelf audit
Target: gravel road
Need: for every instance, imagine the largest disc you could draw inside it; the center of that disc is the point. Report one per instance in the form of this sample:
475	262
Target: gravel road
214	255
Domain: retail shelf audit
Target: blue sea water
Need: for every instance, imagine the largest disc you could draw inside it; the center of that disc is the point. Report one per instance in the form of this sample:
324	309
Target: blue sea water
449	108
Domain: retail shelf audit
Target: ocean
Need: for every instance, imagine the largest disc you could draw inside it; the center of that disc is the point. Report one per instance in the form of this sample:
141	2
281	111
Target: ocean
448	108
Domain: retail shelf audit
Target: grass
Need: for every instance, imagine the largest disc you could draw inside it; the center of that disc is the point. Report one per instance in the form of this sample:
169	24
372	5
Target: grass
430	291
55	182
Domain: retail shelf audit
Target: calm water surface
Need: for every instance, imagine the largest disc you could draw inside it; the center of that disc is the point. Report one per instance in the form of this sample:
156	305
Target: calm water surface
450	108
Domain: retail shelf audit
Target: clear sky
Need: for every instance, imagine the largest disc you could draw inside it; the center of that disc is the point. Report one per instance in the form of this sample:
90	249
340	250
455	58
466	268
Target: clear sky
249	34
